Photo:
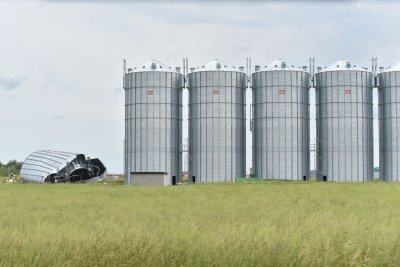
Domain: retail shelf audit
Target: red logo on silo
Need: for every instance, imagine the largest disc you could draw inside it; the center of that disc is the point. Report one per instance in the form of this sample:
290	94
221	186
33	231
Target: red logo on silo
150	92
347	92
215	92
282	91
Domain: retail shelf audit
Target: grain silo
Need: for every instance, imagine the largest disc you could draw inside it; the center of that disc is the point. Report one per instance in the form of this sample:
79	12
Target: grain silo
153	125
281	122
344	123
389	123
217	137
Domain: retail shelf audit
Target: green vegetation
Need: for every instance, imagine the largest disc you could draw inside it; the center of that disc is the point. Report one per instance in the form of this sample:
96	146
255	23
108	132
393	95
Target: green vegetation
112	181
12	167
242	224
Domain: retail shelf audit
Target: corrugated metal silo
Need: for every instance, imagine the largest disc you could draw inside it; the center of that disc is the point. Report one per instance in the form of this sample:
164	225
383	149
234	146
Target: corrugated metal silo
281	122
344	123
217	135
389	124
153	122
47	166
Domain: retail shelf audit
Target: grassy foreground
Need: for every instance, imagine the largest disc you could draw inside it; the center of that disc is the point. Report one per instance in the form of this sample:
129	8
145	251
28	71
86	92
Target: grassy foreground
266	224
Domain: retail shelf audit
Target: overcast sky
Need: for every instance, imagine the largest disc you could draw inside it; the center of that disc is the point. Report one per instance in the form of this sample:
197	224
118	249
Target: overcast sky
61	62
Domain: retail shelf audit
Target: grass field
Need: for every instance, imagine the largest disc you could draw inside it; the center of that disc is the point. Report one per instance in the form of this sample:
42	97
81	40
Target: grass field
265	224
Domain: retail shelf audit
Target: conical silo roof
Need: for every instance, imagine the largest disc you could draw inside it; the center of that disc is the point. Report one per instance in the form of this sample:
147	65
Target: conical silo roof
216	65
153	65
343	65
279	64
395	67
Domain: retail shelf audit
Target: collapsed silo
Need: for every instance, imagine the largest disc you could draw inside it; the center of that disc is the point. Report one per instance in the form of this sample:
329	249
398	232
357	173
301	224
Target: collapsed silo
389	123
217	137
344	123
48	166
153	125
281	122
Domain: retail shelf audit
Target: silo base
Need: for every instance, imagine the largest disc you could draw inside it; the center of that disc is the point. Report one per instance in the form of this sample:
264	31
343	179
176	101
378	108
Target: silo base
151	179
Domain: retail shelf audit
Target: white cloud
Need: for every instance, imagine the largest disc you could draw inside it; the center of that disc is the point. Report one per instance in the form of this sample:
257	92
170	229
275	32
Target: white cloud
11	83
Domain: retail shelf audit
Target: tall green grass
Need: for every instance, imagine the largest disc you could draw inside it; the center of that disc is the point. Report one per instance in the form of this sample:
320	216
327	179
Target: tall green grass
265	224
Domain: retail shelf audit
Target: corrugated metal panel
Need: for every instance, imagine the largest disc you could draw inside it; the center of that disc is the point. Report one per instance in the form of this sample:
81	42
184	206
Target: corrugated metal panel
281	127
55	166
217	136
40	164
389	125
153	122
344	125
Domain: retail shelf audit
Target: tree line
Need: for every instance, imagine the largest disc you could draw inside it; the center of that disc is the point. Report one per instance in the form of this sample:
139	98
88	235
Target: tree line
12	167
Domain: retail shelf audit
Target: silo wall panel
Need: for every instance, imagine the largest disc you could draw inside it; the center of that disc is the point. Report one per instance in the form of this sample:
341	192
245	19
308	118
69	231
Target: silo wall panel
344	125
216	126
389	128
281	124
153	123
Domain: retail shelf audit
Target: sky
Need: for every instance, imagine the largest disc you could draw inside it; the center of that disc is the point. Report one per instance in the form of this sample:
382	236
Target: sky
61	62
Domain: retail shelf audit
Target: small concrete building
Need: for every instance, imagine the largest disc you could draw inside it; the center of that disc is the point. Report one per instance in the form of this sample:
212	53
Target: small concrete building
151	179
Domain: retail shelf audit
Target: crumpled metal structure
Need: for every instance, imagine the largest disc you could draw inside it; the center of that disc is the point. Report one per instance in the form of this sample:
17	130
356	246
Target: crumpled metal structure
46	166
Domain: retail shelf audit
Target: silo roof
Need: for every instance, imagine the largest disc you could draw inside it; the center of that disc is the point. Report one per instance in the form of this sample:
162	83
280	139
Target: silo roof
395	67
343	65
153	65
280	65
216	65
